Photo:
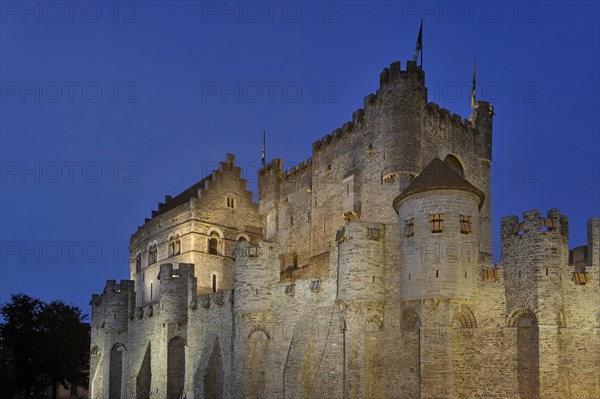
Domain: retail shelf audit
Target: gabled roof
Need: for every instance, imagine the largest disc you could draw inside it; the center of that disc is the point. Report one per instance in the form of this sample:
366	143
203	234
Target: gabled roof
438	176
183	197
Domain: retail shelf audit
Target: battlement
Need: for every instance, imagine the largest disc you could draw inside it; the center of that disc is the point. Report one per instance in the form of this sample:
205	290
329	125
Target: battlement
301	168
395	72
434	110
168	272
534	224
256	268
337	134
110	309
112	287
387	77
276	165
585	256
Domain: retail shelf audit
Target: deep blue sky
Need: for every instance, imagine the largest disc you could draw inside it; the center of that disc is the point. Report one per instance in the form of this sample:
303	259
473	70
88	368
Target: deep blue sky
538	63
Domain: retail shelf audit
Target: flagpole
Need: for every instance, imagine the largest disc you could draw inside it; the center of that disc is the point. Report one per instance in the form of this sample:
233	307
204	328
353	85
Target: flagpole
421	45
264	148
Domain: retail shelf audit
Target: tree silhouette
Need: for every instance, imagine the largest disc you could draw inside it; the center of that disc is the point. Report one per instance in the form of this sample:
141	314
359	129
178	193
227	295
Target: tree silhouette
42	339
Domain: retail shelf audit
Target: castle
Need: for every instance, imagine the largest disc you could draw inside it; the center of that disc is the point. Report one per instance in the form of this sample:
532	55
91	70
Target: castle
364	272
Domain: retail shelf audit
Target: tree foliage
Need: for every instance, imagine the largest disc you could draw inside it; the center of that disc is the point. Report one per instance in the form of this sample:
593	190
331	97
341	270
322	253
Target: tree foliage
39	339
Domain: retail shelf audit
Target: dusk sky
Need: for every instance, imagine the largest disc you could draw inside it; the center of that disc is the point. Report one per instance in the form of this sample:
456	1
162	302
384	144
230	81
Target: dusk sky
106	107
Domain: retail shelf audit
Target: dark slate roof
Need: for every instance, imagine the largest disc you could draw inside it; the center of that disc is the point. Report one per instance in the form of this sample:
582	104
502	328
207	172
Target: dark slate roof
438	176
184	197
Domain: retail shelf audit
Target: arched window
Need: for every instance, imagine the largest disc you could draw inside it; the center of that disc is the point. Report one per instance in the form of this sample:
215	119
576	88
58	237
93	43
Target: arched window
175	246
213	243
152	254
455	164
214	283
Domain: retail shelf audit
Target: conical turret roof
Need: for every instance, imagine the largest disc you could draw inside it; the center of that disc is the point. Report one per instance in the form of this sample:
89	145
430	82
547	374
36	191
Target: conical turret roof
438	176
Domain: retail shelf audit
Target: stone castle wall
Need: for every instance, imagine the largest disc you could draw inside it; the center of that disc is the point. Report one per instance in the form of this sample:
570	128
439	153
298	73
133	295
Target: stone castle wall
320	293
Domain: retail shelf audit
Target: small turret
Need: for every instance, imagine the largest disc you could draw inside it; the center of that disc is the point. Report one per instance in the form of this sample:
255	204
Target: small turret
115	303
438	215
403	97
361	272
482	118
256	269
177	289
535	262
269	186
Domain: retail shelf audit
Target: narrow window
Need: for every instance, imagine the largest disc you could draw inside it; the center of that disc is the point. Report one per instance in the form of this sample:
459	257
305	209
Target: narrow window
152	254
465	224
295	260
372	279
519	274
213	243
177	246
409	227
138	263
214	283
408	276
437	273
437	222
546	271
151	290
230	202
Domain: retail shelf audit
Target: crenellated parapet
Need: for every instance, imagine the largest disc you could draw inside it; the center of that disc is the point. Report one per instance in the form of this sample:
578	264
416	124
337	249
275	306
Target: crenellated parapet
535	263
533	229
176	290
110	309
256	270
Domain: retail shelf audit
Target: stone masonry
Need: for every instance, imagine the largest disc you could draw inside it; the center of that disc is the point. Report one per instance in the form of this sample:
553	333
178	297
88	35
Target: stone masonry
364	272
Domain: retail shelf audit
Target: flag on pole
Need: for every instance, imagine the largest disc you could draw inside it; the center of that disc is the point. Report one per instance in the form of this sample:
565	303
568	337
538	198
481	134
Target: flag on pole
419	46
474	83
264	147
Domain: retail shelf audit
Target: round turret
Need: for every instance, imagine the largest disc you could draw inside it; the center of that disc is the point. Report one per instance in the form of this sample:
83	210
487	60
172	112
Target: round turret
176	289
404	96
361	264
439	238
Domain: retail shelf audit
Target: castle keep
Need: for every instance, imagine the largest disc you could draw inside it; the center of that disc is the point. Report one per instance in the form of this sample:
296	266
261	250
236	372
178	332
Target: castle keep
364	272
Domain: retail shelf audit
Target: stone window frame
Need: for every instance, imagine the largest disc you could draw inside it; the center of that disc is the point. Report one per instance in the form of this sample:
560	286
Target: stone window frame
231	202
152	253
465	224
214	241
290	289
409	228
315	285
175	245
436	222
